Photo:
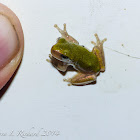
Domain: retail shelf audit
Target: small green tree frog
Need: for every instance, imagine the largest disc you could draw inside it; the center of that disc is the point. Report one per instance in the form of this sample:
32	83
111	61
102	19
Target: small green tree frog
67	51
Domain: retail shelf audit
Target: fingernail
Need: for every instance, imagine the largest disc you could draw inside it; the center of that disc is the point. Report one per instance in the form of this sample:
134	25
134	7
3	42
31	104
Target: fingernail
8	41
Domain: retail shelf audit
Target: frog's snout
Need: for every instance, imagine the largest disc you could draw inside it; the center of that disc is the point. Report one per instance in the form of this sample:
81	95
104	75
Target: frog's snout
56	53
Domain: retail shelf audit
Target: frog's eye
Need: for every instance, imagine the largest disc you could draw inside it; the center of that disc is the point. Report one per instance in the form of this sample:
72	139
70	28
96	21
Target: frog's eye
64	57
83	46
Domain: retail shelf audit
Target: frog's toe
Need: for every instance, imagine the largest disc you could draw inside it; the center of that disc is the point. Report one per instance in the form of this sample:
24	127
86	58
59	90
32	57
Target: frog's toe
102	42
92	42
97	39
55	25
50	56
48	60
67	80
64	27
69	84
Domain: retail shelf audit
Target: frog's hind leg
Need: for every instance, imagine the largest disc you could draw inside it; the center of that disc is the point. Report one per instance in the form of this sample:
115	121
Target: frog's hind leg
81	79
99	52
65	34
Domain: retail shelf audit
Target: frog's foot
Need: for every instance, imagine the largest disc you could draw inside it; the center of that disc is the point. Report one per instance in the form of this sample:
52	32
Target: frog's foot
62	32
81	79
49	60
98	42
65	34
99	52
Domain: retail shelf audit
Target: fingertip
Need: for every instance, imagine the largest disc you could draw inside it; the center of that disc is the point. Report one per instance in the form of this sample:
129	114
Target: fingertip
9	66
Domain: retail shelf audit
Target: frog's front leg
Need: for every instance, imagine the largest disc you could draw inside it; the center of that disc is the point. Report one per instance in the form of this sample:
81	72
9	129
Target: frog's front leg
81	79
65	34
99	52
59	65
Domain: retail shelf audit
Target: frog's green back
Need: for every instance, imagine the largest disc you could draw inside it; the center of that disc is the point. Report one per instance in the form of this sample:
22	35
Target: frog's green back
80	56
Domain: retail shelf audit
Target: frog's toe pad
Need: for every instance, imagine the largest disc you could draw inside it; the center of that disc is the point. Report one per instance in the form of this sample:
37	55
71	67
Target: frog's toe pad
67	80
48	60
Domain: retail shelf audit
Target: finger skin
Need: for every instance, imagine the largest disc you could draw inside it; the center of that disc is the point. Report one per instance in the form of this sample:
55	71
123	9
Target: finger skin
7	72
